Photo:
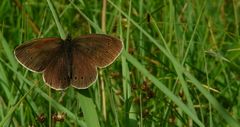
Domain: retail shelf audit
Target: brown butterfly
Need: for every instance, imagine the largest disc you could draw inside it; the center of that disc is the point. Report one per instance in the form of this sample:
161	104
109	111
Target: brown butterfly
71	61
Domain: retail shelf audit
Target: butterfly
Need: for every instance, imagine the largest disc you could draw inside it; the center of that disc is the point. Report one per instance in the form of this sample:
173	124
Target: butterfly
73	61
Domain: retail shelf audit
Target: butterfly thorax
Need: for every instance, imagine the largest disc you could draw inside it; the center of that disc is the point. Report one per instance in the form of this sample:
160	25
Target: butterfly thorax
67	44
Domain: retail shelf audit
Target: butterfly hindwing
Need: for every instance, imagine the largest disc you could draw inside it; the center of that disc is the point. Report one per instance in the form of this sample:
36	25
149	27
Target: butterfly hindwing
57	73
84	73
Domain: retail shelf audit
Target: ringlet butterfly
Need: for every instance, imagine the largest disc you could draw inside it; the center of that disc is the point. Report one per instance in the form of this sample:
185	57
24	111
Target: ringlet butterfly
70	61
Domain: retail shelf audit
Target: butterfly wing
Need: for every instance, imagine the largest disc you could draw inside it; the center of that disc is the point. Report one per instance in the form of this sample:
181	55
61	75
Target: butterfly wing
84	73
90	52
37	54
57	73
101	49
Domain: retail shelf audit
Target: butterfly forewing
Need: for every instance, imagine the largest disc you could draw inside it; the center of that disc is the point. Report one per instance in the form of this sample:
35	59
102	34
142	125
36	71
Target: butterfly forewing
101	49
84	72
37	54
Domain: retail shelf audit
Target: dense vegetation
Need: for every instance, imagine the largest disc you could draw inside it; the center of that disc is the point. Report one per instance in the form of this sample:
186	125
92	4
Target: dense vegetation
180	65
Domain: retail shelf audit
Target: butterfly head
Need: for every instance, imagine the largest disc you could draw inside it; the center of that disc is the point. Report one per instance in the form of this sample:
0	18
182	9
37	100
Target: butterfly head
69	38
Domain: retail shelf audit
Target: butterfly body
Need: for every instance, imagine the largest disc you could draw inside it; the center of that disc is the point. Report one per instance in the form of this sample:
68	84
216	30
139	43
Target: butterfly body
67	46
70	61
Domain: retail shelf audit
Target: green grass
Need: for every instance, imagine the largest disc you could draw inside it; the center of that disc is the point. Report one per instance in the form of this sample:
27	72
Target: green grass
179	67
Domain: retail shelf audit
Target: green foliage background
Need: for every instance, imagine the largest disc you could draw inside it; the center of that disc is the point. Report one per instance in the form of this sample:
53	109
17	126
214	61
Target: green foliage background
180	65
